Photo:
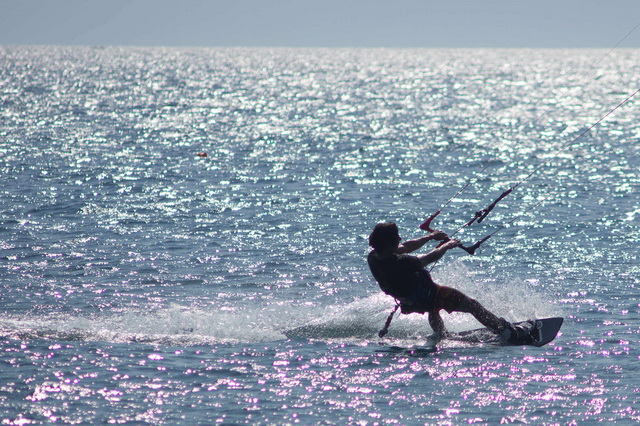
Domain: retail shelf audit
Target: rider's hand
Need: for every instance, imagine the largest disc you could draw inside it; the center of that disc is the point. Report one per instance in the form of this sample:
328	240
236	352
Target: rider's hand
452	243
439	236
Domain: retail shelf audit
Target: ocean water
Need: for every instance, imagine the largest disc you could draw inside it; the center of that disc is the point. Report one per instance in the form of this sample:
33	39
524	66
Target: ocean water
143	283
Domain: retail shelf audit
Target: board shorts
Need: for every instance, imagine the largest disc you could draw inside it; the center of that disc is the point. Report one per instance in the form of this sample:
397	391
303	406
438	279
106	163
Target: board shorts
434	298
449	299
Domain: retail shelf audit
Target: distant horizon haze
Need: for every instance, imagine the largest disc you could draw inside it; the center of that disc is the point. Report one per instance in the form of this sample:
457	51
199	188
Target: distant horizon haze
328	23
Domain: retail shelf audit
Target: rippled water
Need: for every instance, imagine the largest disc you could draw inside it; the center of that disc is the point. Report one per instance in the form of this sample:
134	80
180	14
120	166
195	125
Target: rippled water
141	282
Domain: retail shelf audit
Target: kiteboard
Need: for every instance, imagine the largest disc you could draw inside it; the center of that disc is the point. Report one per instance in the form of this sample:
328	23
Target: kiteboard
539	333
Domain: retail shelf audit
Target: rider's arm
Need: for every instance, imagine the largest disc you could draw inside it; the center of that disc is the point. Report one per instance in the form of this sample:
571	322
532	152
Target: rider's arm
437	253
413	245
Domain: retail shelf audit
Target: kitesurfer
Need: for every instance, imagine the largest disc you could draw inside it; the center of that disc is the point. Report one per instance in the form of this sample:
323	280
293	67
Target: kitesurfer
404	277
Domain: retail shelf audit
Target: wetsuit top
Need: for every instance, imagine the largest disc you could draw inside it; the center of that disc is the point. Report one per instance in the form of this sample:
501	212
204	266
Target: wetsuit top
402	276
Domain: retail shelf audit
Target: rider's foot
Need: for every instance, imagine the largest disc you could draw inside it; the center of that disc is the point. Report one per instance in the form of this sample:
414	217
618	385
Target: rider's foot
517	334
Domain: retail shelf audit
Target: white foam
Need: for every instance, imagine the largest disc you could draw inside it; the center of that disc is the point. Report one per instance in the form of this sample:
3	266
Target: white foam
359	320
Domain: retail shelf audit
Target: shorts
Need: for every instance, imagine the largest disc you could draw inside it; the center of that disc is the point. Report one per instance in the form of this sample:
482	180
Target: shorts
449	299
420	302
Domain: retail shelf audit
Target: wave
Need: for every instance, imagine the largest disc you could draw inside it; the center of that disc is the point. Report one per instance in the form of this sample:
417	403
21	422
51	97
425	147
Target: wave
357	321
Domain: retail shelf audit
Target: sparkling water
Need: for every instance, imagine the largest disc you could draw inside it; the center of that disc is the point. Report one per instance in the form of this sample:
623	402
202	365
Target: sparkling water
168	214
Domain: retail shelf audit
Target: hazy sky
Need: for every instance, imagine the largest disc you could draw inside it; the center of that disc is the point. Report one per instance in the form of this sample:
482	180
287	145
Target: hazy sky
329	23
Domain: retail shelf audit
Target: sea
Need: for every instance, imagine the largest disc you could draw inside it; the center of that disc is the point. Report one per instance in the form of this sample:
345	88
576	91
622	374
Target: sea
172	218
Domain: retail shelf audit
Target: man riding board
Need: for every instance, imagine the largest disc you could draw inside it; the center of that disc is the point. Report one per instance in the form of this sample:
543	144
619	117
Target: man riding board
404	277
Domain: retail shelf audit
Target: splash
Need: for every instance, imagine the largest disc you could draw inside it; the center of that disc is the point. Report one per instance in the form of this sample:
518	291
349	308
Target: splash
357	322
174	325
512	299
